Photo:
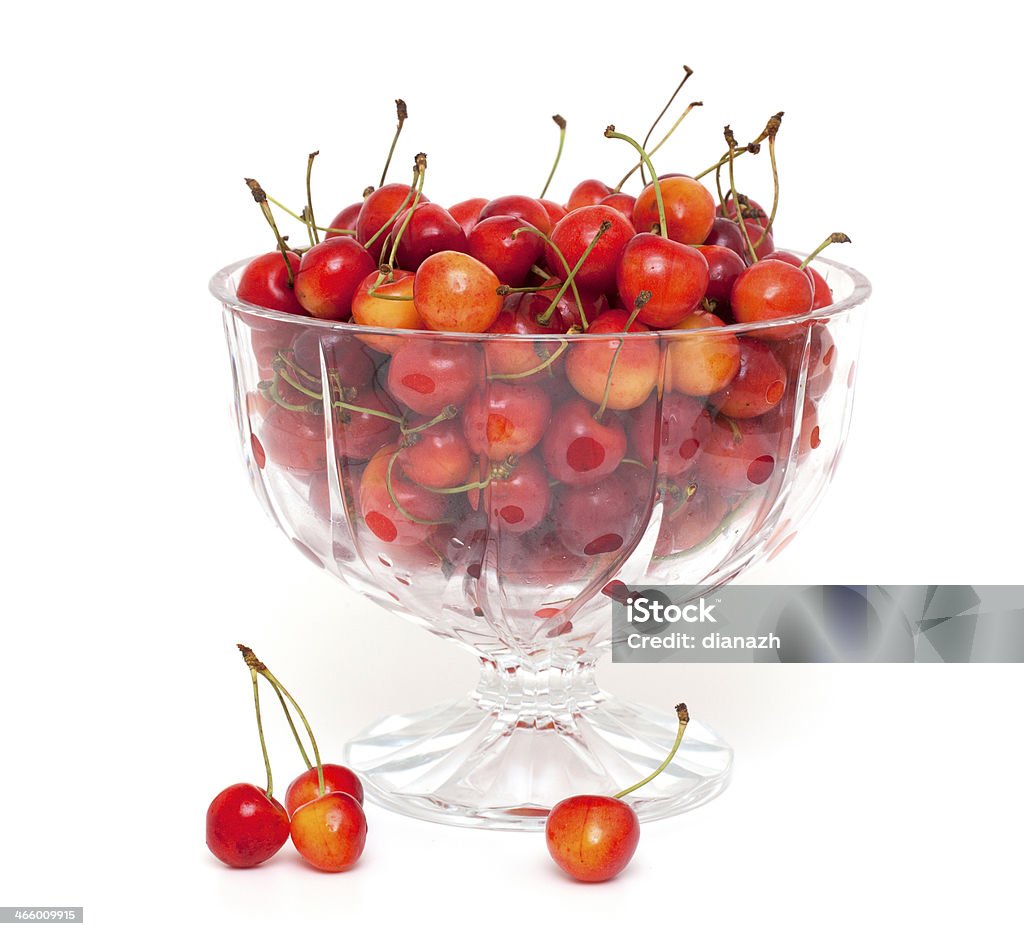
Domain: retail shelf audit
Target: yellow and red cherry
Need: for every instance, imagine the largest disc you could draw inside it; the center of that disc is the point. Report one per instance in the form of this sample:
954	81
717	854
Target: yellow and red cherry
264	283
244	826
306	786
579	449
588	192
516	503
636	361
456	292
759	385
529	210
387	305
330	831
329	275
684	428
676	276
294	440
780	420
575	233
522	360
702	364
822	291
689	209
395	510
507	254
739	456
506	419
427	376
430	230
724	266
689	523
345	355
437	457
772	289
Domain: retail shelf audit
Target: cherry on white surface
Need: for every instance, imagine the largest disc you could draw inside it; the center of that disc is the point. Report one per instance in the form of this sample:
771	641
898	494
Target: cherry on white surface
136	557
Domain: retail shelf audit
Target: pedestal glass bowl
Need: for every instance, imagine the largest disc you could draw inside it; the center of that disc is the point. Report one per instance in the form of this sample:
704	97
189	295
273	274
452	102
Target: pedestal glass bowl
522	573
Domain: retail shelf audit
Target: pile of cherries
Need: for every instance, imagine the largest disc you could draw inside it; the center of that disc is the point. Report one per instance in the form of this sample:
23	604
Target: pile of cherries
550	439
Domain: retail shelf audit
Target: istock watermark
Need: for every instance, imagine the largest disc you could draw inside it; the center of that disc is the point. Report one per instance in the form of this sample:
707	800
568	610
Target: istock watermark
819	624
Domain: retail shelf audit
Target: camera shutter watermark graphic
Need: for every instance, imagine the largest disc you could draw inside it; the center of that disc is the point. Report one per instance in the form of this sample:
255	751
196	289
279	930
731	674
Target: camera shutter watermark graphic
819	624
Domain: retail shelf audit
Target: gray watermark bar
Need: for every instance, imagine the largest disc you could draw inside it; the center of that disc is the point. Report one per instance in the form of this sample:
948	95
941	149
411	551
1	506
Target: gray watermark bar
819	624
40	914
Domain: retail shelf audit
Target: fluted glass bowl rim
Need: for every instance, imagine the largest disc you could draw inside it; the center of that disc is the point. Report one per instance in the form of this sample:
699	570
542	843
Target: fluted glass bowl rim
222	286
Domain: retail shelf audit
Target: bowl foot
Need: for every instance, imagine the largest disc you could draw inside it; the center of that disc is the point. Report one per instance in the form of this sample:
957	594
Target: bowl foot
521	742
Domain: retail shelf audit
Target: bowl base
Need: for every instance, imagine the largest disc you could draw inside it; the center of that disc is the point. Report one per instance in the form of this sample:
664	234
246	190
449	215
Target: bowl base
501	758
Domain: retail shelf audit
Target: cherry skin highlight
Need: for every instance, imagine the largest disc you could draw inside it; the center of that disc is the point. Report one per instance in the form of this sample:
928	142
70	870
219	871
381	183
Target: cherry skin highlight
592	838
330	831
306	786
456	292
244	826
329	275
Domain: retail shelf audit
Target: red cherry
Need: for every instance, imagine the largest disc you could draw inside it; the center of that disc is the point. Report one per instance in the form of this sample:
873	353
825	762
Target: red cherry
520	502
621	202
306	786
573	235
780	420
358	435
456	292
771	289
439	458
244	826
752	212
379	507
756	233
738	456
509	258
430	230
676	276
294	440
506	419
578	449
759	385
345	355
346	219
377	209
427	376
592	838
467	213
726	233
264	283
724	266
329	275
690	523
330	831
685	427
528	210
519	317
637	361
385	313
702	364
567	313
540	558
821	363
599	518
555	211
822	291
588	192
689	209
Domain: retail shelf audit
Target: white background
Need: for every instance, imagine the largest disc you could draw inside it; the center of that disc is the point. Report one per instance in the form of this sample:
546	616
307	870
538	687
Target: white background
135	557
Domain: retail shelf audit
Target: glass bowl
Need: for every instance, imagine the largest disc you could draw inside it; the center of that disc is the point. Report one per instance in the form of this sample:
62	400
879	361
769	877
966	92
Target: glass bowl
343	429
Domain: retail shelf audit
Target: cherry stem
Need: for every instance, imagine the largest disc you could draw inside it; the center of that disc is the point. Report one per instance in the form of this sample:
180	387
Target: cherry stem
684	720
565	263
258	667
500	472
717	167
771	130
397	212
560	120
291	724
292	382
509	290
420	168
731	141
259	727
310	218
687	71
341	404
611	133
449	412
299	217
403	113
661	143
837	238
260	197
691	489
641	300
287	359
546	363
394	500
270	391
545	316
